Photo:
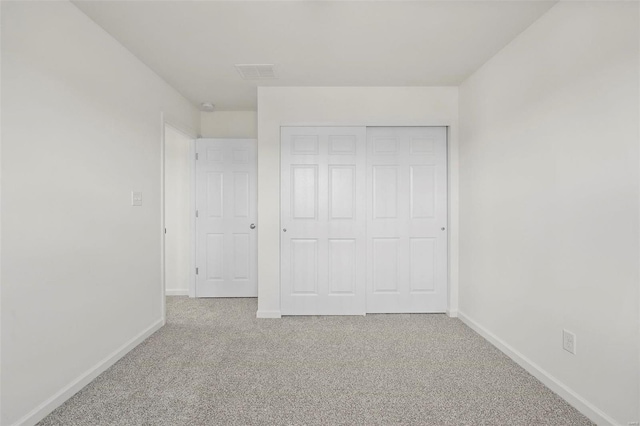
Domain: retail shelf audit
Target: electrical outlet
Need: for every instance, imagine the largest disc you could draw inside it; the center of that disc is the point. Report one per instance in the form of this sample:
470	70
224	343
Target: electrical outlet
569	341
136	198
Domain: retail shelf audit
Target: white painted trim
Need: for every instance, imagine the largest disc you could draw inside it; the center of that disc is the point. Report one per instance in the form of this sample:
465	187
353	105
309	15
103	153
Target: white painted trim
565	392
163	235
184	129
434	122
268	314
176	292
42	410
192	219
452	314
453	211
1	328
191	135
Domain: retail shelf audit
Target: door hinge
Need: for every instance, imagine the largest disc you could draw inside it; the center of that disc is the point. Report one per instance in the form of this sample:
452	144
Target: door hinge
196	271
196	213
196	155
165	230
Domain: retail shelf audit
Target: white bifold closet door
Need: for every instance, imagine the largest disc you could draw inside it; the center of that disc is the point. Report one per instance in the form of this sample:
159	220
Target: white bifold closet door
323	220
226	198
406	219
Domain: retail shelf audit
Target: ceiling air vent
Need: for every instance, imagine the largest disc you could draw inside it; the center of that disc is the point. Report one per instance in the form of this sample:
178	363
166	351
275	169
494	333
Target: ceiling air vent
256	71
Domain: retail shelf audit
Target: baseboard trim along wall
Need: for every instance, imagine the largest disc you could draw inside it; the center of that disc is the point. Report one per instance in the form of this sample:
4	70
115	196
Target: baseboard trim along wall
579	403
41	411
268	314
176	292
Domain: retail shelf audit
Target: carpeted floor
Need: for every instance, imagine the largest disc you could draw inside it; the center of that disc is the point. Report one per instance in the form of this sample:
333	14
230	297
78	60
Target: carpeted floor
214	363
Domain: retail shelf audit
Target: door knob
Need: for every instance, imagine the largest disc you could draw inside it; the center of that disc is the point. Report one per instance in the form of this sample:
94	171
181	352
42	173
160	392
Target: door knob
252	226
284	229
442	228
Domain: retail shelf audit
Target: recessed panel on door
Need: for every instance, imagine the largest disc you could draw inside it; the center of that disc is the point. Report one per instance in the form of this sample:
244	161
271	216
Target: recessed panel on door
385	191
214	156
423	193
241	189
342	192
385	265
384	145
304	197
215	192
423	264
241	256
342	144
342	266
304	266
305	144
241	156
420	145
215	257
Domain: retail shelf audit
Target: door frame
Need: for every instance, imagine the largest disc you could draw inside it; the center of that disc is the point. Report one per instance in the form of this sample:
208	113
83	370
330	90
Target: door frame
452	194
166	120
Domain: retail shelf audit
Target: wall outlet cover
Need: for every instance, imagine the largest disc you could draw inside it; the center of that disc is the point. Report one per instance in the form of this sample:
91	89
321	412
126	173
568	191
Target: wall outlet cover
136	198
569	341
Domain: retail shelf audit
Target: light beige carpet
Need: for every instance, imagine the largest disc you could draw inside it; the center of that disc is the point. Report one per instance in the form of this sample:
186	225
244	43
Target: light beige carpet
214	363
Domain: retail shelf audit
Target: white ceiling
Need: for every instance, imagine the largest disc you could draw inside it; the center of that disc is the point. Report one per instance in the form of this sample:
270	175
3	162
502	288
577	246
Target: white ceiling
194	45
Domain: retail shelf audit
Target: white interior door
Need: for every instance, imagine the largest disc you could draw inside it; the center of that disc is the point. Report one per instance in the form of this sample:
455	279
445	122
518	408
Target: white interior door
226	198
323	220
406	219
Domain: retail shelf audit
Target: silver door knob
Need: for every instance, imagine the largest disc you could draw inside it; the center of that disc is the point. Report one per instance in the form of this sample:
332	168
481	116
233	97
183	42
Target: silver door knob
442	228
284	229
252	226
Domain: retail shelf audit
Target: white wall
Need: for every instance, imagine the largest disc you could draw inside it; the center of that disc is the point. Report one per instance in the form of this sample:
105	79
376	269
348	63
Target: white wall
177	211
279	106
229	124
81	128
549	201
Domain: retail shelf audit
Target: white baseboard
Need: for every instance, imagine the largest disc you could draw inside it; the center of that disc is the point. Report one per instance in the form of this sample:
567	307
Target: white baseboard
268	314
452	314
176	292
578	402
42	410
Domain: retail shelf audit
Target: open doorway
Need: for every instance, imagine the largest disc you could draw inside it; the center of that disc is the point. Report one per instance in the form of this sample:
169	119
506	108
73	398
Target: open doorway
178	149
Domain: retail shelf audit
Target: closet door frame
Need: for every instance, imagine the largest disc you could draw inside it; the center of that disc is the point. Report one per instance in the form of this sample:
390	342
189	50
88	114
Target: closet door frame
452	192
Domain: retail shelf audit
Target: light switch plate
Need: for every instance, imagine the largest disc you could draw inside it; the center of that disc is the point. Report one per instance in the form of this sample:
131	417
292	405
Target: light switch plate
136	198
569	341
